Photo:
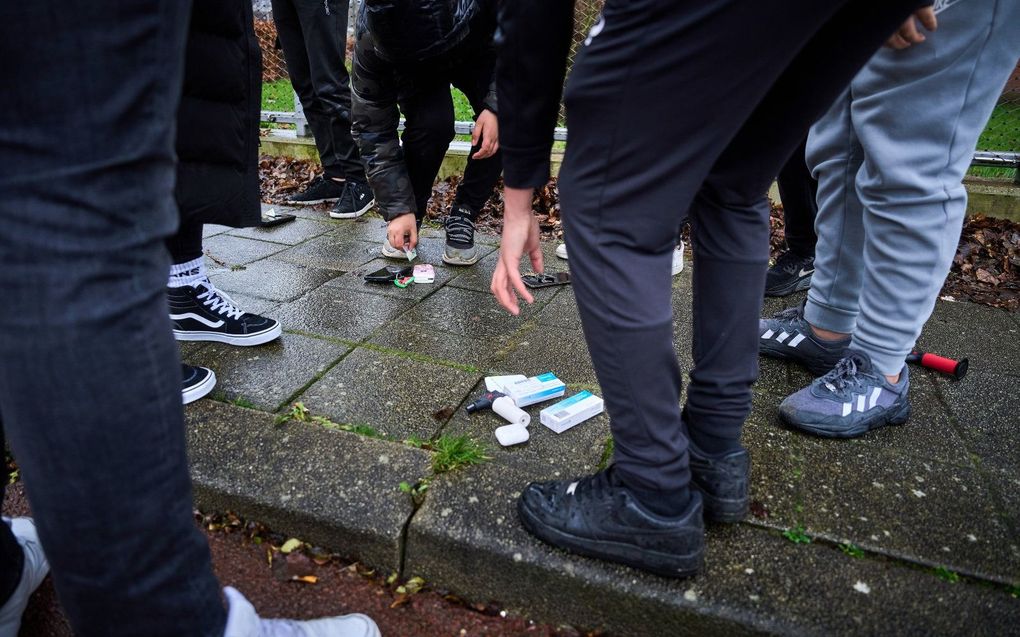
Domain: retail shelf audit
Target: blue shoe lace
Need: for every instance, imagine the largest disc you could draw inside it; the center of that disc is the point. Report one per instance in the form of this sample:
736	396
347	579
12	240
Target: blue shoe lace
846	378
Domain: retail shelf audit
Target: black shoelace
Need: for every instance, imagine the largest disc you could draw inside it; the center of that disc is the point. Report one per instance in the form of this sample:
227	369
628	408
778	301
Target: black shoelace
460	229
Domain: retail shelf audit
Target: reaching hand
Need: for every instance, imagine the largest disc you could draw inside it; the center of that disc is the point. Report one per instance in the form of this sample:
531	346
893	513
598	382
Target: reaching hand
403	230
908	34
520	236
486	135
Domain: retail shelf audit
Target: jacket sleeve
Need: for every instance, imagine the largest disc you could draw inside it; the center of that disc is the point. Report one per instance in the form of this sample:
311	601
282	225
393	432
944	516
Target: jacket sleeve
533	41
375	117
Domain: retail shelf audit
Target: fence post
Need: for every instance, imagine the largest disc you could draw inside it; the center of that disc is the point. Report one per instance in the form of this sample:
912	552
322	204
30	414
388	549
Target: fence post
299	113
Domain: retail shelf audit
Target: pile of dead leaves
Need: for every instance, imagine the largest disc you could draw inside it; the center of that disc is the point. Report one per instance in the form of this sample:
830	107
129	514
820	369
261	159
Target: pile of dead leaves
280	177
986	269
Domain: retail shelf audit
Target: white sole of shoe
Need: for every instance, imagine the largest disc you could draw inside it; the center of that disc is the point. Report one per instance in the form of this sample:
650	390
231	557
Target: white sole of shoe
200	390
451	261
313	202
352	215
248	340
561	251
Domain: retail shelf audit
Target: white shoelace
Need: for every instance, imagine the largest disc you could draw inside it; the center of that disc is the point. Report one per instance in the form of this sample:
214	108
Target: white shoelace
218	301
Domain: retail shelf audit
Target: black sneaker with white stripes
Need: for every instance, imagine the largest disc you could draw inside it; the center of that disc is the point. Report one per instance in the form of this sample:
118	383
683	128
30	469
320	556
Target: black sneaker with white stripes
788	335
355	200
198	381
322	189
203	313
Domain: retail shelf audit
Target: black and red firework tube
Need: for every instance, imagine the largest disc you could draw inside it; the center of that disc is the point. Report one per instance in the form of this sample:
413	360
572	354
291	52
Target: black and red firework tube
956	369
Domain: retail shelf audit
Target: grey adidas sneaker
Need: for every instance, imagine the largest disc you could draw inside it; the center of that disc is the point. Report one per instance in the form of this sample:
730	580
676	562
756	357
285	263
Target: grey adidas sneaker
788	335
849	401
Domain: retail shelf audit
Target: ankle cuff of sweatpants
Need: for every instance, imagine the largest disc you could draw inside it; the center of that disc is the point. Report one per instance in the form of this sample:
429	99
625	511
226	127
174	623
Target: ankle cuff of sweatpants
886	361
829	318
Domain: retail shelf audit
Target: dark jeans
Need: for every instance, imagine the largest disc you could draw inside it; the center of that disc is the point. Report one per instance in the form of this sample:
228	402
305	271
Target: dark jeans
313	34
186	245
90	380
679	106
428	130
798	189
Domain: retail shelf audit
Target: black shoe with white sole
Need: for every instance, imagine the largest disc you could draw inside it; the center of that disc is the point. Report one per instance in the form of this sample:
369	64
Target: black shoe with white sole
789	336
203	313
322	189
600	517
198	381
355	201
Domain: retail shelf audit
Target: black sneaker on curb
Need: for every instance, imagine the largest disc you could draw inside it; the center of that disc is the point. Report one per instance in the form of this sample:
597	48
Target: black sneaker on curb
355	201
849	401
198	381
723	483
203	313
322	189
460	237
789	274
788	335
599	517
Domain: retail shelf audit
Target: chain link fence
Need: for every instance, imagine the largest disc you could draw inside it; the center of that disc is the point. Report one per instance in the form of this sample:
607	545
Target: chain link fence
998	148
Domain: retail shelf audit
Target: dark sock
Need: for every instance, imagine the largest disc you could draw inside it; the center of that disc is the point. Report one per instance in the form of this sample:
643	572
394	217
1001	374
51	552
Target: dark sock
668	504
708	444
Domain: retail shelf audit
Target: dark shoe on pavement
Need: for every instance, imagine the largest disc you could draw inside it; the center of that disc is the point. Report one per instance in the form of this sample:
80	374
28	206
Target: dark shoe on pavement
322	189
599	517
460	237
723	483
788	335
849	401
791	273
355	201
198	382
33	572
203	313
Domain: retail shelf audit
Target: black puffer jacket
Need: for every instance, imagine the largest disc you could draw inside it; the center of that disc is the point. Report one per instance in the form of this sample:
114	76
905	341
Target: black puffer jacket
218	120
397	44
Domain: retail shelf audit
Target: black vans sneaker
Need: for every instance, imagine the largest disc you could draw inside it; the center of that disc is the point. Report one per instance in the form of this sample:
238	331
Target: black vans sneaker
203	313
355	201
322	189
198	381
599	517
789	274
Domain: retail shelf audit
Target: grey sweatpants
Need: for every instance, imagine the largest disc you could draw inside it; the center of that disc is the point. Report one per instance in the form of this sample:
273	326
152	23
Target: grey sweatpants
890	156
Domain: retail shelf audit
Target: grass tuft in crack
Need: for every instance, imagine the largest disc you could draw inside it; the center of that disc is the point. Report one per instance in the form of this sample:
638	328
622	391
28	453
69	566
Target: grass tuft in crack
456	452
299	413
607	453
797	535
851	549
946	575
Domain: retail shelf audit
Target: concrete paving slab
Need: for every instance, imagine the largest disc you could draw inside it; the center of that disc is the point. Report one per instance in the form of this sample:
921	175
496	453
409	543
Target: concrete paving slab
986	414
990	338
369	228
909	507
268	375
561	311
331	252
331	488
399	397
575	452
341	313
290	233
234	251
540	349
470	313
212	229
467	536
437	344
255	305
272	280
479	276
355	280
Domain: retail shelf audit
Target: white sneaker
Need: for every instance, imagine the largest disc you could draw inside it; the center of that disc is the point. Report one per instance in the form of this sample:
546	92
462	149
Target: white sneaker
561	251
32	574
390	252
243	621
678	259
